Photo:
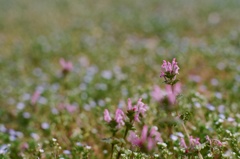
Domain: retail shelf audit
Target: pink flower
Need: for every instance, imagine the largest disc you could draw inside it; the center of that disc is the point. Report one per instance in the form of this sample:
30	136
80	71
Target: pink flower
214	141
66	65
158	94
142	108
217	142
209	140
170	93
70	108
169	72
107	117
24	146
194	142
133	138
183	143
130	107
147	140
139	108
35	97
119	117
155	134
171	68
144	133
177	88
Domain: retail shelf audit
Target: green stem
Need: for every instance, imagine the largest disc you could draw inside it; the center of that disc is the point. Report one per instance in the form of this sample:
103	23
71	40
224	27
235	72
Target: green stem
125	134
112	151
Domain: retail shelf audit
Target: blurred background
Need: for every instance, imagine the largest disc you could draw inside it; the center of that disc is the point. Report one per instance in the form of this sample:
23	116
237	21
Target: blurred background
117	48
133	35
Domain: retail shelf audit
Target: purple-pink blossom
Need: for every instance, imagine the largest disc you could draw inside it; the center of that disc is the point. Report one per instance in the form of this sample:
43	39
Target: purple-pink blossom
133	138
158	94
214	141
67	66
193	142
155	134
140	108
147	140
130	107
183	143
170	68
119	117
171	92
107	116
35	97
70	108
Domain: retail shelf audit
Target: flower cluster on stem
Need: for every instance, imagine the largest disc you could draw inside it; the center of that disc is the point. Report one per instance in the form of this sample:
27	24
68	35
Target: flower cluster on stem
67	66
170	93
147	140
169	71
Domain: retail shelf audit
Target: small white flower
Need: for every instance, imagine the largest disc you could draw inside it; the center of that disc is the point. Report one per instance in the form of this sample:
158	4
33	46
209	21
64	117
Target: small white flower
88	147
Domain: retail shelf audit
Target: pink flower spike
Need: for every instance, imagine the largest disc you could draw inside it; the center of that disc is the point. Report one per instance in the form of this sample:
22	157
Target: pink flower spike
144	133
71	108
217	142
169	68
150	143
129	104
177	88
169	89
182	143
107	117
133	139
66	65
35	97
142	108
136	117
158	94
194	142
175	67
119	117
209	140
171	98
155	134
170	95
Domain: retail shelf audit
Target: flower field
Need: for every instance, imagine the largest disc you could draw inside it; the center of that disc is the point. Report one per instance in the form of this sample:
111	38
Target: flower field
129	79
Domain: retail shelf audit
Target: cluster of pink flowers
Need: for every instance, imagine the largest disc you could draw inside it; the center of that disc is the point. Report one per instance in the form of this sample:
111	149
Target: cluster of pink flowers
70	108
169	68
193	142
215	142
170	92
140	108
147	140
169	71
119	117
67	66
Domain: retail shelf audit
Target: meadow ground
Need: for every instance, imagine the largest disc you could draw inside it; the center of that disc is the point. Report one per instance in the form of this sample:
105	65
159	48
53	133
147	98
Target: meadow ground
117	49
